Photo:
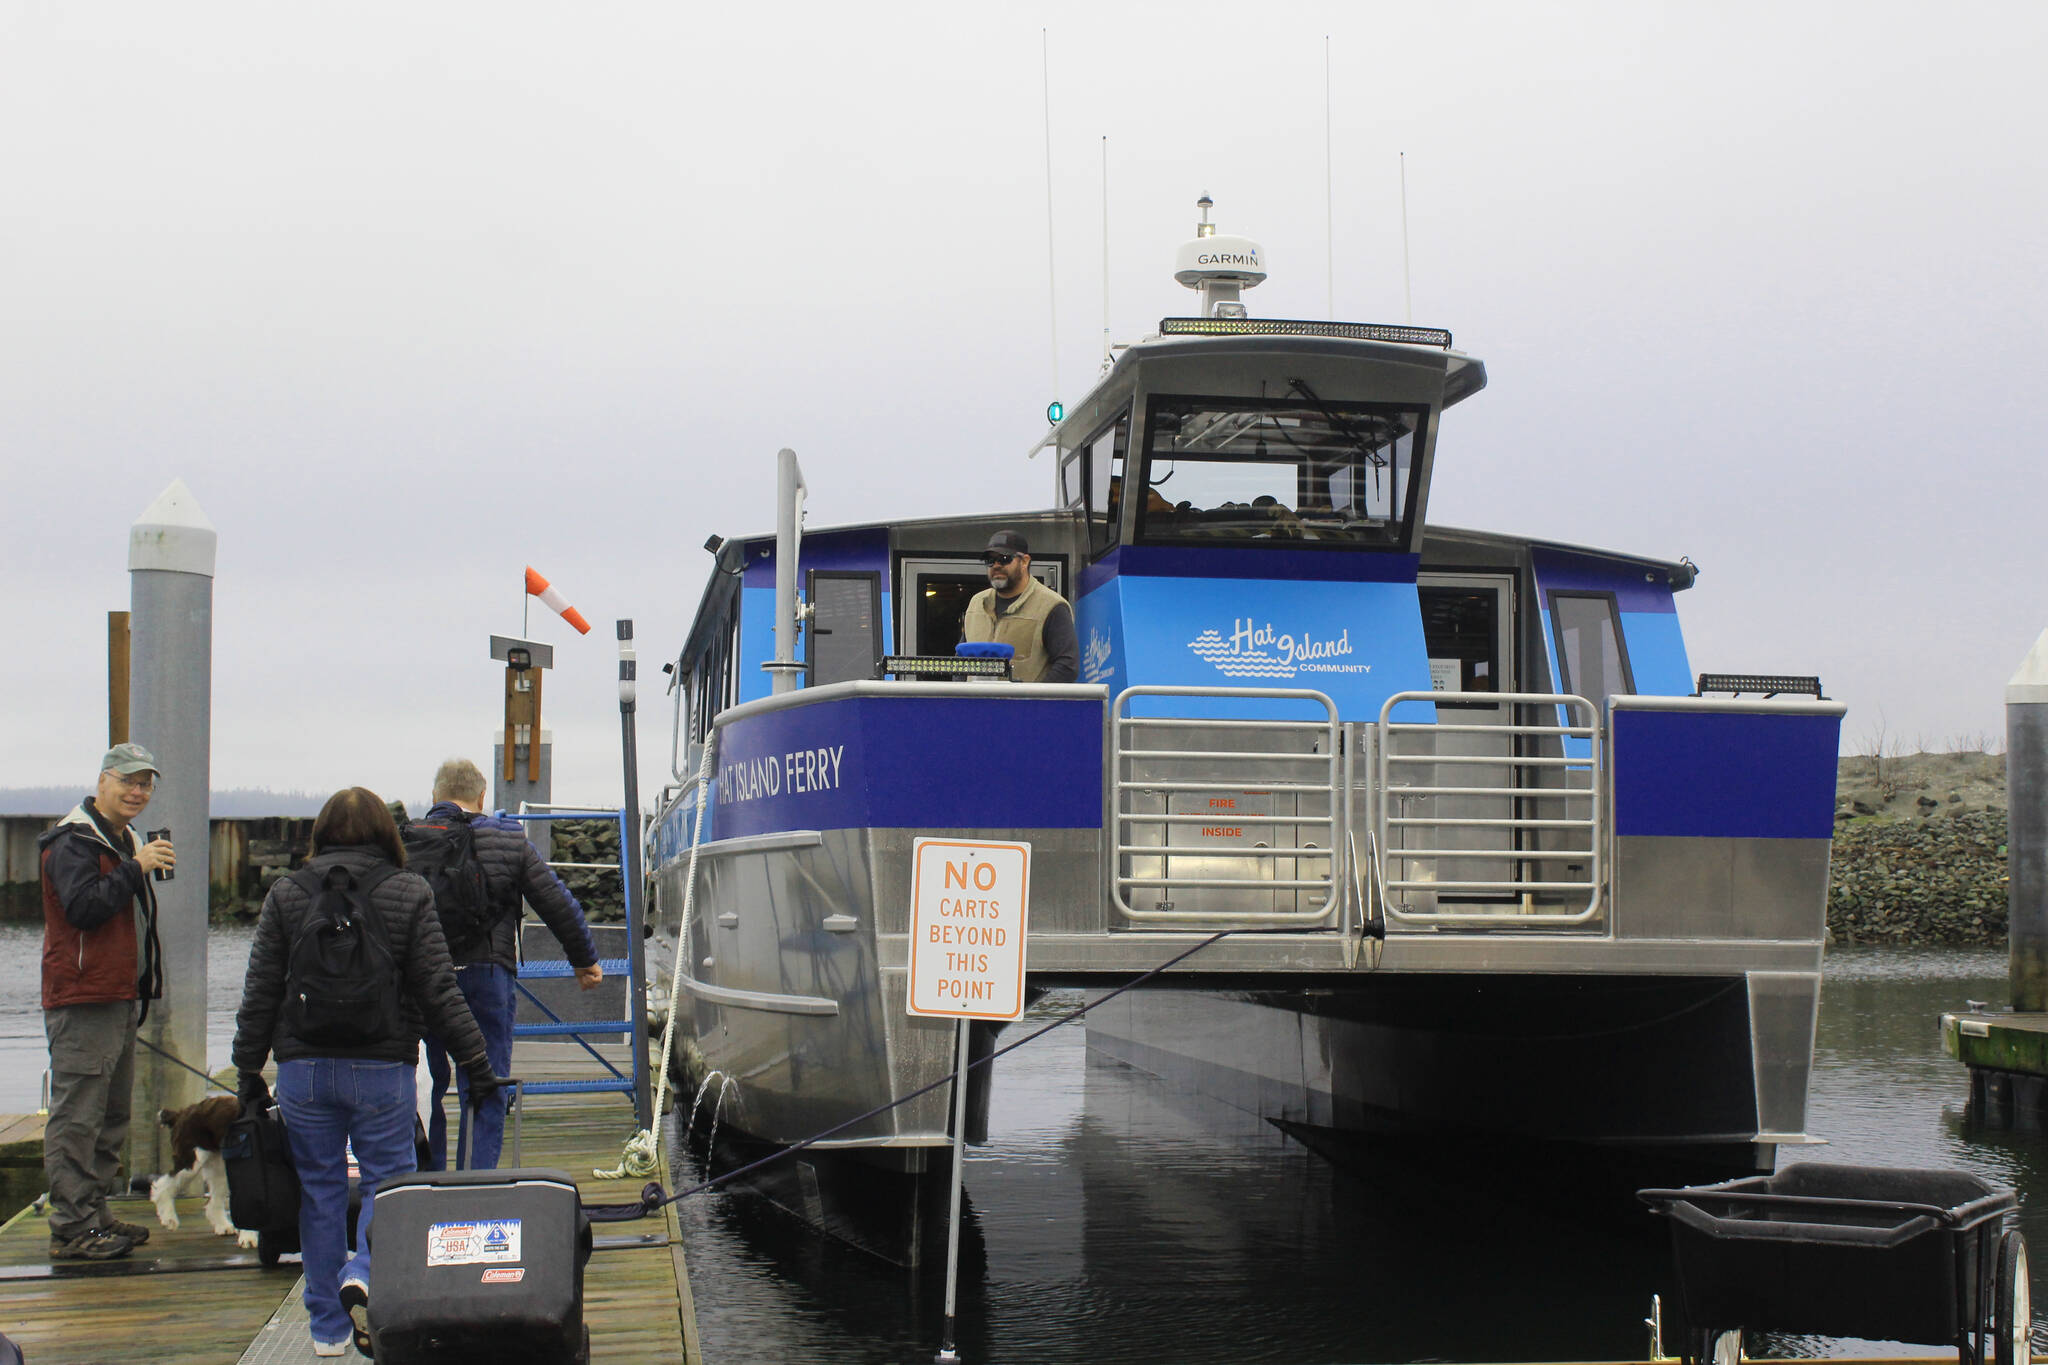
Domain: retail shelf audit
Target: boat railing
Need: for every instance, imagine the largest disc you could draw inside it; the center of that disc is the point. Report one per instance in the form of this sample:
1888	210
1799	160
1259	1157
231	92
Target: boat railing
1487	821
1227	817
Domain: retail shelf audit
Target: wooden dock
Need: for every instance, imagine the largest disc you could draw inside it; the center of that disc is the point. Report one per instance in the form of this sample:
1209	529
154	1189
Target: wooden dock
190	1298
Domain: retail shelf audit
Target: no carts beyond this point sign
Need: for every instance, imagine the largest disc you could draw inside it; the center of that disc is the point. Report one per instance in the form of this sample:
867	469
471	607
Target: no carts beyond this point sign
968	916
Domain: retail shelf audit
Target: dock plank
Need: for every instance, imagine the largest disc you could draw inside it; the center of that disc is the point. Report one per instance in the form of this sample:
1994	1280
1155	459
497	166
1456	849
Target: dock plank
190	1298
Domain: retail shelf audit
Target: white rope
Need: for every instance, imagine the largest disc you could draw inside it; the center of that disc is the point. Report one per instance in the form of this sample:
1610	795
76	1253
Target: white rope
641	1157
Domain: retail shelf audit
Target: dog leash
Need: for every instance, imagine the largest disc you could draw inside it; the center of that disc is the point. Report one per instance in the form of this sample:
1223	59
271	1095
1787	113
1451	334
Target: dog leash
179	1061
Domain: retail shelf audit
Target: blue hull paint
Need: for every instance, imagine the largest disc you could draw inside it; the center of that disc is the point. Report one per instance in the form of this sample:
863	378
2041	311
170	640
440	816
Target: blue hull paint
1711	775
913	763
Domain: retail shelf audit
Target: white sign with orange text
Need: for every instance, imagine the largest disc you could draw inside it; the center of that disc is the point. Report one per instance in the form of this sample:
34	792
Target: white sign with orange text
968	918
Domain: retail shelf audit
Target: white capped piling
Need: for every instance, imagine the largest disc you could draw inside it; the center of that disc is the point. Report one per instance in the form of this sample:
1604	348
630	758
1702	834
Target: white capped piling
2026	823
171	551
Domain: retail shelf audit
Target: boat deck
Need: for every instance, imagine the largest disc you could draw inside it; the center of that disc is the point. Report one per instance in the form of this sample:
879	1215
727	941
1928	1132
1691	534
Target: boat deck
190	1298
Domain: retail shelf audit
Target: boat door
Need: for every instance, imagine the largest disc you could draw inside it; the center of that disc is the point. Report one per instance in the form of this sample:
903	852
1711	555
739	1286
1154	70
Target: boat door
935	590
1468	628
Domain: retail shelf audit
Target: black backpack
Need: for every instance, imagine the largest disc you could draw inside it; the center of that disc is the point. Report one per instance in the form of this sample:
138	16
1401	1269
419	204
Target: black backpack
446	856
341	983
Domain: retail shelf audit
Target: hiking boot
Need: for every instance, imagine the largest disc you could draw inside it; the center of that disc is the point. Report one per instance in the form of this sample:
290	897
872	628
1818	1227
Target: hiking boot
136	1233
94	1244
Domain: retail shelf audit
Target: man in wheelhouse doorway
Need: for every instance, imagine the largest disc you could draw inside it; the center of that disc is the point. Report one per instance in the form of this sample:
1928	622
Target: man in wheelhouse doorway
1019	611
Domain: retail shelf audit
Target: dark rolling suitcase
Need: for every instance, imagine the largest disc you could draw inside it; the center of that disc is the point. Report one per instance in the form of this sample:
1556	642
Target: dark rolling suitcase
479	1265
263	1188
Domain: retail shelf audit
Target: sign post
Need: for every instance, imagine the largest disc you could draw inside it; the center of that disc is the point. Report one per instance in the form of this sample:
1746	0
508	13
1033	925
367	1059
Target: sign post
969	904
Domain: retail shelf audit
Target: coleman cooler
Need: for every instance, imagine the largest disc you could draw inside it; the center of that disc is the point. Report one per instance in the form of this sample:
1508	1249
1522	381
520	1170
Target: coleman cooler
479	1265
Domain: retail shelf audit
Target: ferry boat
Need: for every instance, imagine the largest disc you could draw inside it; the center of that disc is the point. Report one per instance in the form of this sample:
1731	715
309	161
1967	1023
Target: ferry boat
1516	871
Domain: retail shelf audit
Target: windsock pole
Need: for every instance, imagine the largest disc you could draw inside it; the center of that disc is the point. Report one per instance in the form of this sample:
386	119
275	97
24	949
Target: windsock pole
536	586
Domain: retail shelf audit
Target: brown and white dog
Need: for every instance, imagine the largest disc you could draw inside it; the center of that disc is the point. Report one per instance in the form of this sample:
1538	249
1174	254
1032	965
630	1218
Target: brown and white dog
196	1134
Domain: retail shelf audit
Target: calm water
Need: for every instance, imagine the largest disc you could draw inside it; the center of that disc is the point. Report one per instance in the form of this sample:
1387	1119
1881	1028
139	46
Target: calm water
1114	1217
23	1052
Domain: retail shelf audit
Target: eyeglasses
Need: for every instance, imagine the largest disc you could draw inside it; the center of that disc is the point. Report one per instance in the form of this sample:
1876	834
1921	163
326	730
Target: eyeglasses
994	560
137	782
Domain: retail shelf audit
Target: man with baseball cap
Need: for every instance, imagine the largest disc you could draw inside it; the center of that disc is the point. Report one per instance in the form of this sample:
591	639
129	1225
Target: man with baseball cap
101	957
1018	610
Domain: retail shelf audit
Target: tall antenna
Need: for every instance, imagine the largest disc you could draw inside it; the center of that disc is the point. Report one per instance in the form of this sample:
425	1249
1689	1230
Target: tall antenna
1407	292
1051	279
1105	252
1329	211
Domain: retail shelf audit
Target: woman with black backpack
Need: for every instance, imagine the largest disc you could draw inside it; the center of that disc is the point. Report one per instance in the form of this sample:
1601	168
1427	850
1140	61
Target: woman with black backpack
347	968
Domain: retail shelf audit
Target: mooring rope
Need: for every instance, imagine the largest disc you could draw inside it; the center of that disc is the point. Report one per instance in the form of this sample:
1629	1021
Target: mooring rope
642	1154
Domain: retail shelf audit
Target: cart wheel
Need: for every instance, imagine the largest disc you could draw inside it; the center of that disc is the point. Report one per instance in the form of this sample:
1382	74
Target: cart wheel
1723	1348
1713	1346
2012	1321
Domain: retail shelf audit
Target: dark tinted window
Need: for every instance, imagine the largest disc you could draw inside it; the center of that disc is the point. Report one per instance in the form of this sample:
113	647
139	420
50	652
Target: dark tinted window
844	633
1297	468
1590	653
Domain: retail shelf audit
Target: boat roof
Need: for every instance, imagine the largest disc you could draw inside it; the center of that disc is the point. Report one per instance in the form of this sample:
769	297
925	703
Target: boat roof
1680	572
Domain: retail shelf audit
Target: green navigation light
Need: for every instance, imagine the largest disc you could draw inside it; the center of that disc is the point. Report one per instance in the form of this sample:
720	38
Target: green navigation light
1055	412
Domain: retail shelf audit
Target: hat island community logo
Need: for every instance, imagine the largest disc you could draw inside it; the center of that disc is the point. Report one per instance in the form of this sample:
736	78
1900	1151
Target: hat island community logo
1096	658
1256	649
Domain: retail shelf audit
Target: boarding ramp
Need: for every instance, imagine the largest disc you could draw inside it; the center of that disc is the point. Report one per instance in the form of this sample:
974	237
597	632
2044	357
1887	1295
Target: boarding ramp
610	1077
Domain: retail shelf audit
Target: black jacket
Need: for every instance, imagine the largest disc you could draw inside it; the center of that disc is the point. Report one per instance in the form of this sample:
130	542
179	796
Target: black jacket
427	992
513	868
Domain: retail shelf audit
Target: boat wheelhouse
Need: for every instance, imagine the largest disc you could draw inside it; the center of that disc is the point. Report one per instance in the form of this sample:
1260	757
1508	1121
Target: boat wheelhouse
1514	870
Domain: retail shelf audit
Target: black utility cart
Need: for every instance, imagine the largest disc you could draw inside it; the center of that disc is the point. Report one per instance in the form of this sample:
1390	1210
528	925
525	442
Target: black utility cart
1851	1251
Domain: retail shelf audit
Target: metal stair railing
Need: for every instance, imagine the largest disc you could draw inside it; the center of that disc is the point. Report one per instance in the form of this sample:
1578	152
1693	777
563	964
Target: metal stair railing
580	1031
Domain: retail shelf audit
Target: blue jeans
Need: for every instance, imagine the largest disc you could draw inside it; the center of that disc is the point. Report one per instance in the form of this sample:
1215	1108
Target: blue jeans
489	990
329	1102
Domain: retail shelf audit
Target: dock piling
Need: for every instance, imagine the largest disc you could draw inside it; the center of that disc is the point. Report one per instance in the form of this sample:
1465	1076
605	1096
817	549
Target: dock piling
171	550
2007	1052
2026	784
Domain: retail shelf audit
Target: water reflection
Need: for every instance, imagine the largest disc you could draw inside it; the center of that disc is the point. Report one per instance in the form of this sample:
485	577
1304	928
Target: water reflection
1115	1217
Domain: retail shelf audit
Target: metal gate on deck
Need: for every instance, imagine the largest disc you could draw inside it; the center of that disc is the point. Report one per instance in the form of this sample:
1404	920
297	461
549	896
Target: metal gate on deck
580	1031
1495	823
1227	819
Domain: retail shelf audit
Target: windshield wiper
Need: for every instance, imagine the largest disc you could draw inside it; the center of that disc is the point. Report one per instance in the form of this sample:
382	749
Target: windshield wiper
1337	420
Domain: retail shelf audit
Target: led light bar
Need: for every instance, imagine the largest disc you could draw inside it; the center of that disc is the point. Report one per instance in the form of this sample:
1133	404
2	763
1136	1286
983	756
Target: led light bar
1284	327
1770	684
951	665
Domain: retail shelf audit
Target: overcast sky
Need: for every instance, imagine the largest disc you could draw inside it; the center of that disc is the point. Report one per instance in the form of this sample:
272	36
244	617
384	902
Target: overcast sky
414	295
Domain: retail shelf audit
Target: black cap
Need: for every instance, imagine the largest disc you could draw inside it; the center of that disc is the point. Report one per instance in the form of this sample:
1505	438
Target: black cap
1009	542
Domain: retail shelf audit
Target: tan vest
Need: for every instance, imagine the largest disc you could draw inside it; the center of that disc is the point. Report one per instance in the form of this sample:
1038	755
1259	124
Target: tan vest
1022	628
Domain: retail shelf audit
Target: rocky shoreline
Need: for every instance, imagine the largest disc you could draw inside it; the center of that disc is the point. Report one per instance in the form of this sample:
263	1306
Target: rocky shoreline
1919	857
1920	883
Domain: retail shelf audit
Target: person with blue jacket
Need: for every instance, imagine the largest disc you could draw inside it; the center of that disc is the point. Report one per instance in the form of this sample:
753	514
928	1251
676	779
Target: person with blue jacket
487	966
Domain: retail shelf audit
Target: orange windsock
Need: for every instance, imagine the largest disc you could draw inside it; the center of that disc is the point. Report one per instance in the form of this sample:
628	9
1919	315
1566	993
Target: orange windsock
538	587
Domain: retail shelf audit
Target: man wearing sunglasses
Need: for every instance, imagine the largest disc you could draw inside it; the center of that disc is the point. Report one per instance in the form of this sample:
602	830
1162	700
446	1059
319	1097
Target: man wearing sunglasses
1019	611
100	956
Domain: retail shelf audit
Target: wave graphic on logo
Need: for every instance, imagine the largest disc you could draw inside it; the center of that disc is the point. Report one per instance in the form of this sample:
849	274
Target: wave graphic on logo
1239	663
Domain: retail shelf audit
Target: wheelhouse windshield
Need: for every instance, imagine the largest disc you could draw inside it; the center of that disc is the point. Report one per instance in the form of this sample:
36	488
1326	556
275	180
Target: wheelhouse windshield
1295	468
